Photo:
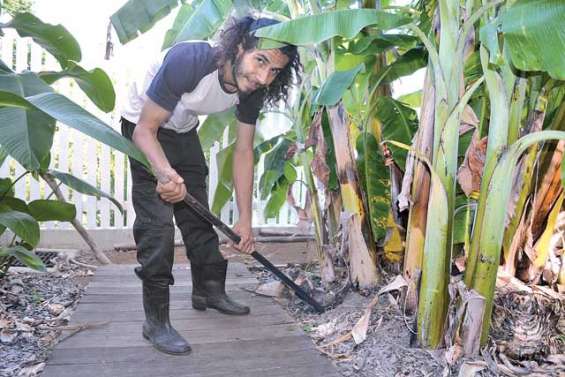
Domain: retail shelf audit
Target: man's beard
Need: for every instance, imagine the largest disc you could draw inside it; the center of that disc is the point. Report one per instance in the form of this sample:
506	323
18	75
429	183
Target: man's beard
237	71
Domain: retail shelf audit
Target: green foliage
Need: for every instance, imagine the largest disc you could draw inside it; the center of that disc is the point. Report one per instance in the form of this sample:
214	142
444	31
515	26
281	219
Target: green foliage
94	83
310	30
375	181
332	90
13	7
274	167
54	38
213	127
138	16
24	255
534	32
198	22
22	224
83	187
398	122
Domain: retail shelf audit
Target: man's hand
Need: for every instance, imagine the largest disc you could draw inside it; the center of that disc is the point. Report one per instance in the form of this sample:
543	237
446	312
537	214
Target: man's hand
171	186
247	244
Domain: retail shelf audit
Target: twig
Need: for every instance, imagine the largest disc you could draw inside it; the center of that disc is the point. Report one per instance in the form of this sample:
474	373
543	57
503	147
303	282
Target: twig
72	260
99	254
8	293
78	328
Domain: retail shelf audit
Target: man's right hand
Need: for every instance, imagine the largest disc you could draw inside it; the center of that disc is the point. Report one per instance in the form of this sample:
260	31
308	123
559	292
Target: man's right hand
171	186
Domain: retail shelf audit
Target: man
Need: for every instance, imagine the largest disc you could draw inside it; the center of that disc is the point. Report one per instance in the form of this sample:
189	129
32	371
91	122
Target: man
191	79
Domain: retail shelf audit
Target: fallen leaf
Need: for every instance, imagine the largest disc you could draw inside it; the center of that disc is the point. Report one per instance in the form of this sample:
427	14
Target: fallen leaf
326	329
270	289
359	331
471	368
55	309
398	283
32	371
8	337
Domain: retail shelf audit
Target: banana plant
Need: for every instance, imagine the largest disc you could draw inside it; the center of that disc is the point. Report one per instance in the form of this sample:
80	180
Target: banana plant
29	110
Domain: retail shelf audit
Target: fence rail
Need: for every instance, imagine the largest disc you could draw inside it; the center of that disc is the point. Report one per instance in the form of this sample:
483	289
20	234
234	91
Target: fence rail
107	169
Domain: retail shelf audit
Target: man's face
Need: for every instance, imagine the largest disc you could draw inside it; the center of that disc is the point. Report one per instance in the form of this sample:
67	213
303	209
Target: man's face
258	68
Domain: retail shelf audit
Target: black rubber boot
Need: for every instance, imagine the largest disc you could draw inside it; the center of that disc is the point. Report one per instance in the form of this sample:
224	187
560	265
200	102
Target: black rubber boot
157	326
209	290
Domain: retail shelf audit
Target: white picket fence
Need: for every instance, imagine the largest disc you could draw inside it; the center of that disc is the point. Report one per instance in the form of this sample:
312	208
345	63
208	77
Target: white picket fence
108	170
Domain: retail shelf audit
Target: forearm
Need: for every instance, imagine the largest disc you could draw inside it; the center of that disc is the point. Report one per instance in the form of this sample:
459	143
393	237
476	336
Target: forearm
243	182
146	140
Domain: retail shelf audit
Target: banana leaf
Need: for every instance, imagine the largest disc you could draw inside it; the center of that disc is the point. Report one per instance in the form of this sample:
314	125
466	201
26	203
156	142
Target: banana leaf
83	187
534	32
375	180
200	24
398	122
95	84
53	38
27	257
138	16
309	30
22	224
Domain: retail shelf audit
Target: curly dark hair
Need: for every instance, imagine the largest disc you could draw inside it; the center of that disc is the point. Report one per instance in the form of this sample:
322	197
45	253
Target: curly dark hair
241	31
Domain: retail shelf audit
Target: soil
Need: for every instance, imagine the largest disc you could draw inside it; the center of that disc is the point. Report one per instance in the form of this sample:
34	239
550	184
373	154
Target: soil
34	309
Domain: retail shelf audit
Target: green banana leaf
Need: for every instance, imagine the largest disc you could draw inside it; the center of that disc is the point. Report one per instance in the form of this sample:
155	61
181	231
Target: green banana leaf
277	198
22	224
138	16
198	23
315	29
65	111
398	122
274	167
534	31
376	44
6	187
413	99
27	257
95	83
83	187
4	68
406	64
183	15
52	210
223	193
53	38
26	133
213	127
375	180
334	87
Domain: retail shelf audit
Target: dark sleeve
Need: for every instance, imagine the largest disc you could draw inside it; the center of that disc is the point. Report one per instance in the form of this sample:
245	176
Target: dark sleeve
247	111
183	67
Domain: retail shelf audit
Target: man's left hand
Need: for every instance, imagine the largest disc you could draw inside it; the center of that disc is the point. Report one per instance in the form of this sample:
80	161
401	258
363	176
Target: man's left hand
247	243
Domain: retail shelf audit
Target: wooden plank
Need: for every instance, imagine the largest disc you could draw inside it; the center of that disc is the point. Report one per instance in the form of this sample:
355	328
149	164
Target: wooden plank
202	323
265	343
183	312
201	352
95	337
284	363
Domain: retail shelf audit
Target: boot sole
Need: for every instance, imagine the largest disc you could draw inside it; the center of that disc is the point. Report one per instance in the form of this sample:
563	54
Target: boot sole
164	350
204	307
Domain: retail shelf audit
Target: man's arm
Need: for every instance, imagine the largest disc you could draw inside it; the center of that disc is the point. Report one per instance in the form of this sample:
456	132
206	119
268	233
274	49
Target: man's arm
145	137
243	184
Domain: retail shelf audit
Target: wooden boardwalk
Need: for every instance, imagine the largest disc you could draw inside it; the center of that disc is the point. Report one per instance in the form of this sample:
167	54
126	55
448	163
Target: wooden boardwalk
266	343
